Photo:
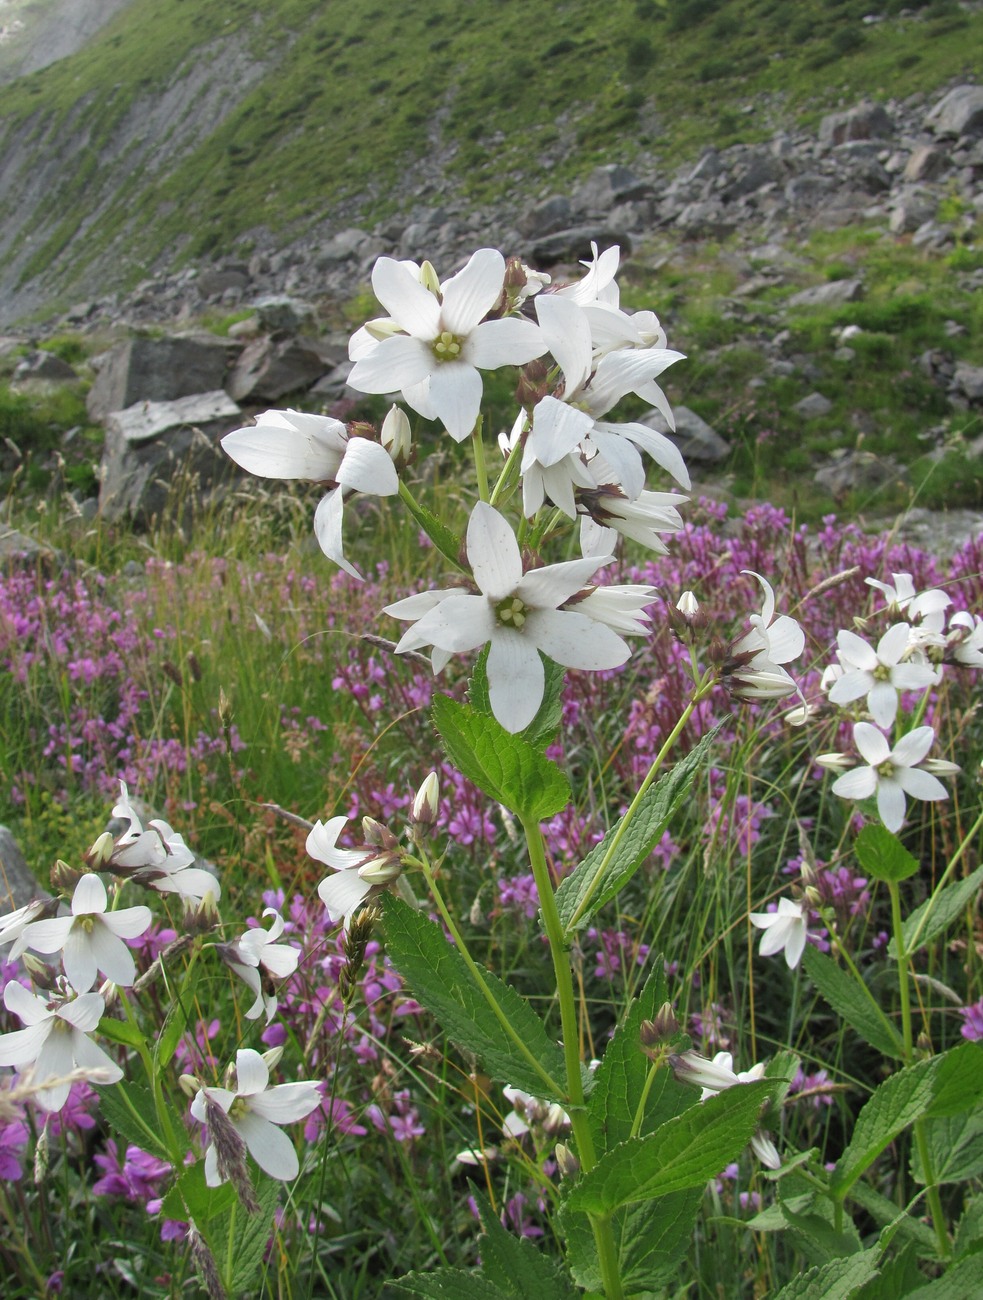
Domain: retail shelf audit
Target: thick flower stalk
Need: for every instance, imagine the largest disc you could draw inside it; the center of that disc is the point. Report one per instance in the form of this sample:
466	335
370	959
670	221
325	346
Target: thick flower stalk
518	615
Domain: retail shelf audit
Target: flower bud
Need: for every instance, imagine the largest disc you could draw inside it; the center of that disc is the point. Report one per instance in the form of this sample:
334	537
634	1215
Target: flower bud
566	1161
272	1057
396	436
426	802
662	1029
378	836
43	975
382	870
429	278
64	877
101	852
688	605
691	1067
556	1120
532	386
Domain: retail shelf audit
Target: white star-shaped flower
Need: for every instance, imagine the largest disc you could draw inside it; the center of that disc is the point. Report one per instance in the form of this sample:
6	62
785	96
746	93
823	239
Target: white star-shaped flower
55	1042
891	774
291	445
362	873
255	1109
91	939
881	674
258	959
755	667
784	930
157	857
442	340
518	614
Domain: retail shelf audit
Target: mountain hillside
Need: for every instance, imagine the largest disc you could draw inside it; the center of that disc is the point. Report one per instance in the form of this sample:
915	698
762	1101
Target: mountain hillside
190	130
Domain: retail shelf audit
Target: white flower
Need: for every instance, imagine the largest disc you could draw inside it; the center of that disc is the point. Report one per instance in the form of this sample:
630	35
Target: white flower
158	857
361	873
257	959
530	1112
444	340
754	667
964	639
890	773
712	1076
91	939
761	1144
55	1042
784	930
519	614
593	390
255	1109
879	675
900	598
620	607
13	924
606	513
599	284
292	445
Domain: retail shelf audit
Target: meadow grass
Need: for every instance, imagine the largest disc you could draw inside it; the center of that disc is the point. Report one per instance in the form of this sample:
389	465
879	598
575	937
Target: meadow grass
235	669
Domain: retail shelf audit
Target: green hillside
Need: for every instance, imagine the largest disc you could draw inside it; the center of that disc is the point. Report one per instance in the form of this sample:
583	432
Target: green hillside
184	127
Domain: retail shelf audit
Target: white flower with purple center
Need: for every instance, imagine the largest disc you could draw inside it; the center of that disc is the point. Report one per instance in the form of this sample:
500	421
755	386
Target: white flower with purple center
441	340
518	615
291	445
256	1110
91	939
55	1042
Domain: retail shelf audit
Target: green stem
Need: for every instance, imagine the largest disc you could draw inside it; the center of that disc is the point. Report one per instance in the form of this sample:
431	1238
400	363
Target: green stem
636	803
555	1090
918	1127
174	1148
943	881
607	1254
505	477
636	1124
480	468
862	984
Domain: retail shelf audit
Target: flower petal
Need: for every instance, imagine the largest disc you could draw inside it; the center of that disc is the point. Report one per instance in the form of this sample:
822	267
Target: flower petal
368	467
871	743
397	363
566	331
287	1102
252	1072
343	893
455	394
516	679
305	447
89	896
470	295
493	553
574	640
413	307
272	1150
509	342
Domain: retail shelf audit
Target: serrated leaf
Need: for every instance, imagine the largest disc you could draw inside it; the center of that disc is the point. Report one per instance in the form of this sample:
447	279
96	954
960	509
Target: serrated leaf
192	1198
959	1282
814	1233
440	979
882	855
129	1110
838	1280
251	1233
651	1239
174	1026
895	1222
514	1265
969	1230
542	731
782	1068
937	914
619	1081
505	767
612	863
445	540
851	1003
898	1276
945	1085
685	1152
448	1284
956	1147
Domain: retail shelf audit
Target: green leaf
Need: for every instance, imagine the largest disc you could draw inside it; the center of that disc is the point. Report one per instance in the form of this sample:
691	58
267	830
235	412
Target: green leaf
505	767
851	1002
121	1031
895	1222
945	1085
814	1233
543	729
174	1026
956	1147
516	1266
612	863
969	1230
250	1234
441	981
937	914
445	540
838	1280
192	1198
651	1239
959	1282
883	856
899	1275
129	1110
684	1152
619	1081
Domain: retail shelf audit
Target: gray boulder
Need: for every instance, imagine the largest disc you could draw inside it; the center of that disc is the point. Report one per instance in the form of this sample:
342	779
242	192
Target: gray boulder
607	186
828	295
574	244
158	370
18	883
552	214
270	367
864	122
859	471
813	407
927	163
967	381
278	313
44	365
163	456
695	438
960	112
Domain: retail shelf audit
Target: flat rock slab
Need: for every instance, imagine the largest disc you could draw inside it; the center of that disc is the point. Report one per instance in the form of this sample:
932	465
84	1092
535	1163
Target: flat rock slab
148	420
